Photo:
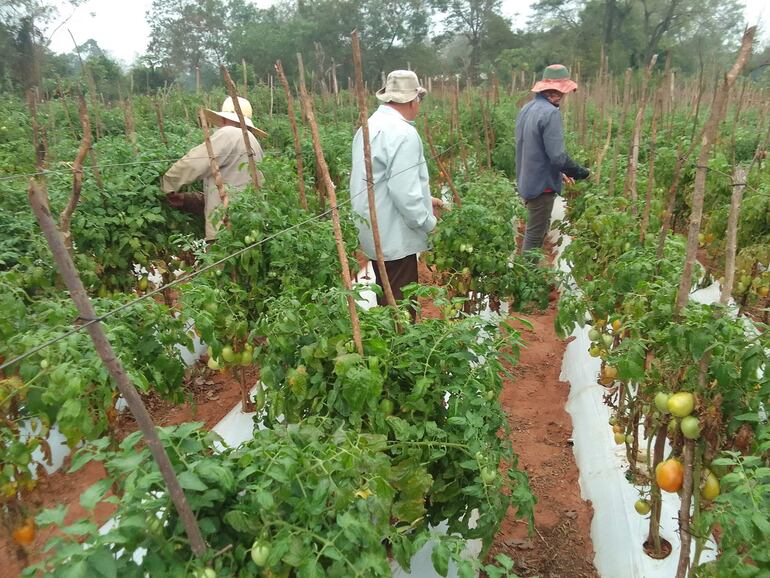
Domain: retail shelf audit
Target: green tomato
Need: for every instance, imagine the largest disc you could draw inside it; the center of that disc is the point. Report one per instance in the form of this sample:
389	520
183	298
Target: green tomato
260	551
246	358
228	354
661	401
690	427
594	335
213	364
43	364
607	340
488	475
387	407
642	507
490	395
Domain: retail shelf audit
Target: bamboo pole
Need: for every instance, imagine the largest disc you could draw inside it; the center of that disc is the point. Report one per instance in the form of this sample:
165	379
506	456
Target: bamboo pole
213	163
709	137
294	132
323	169
246	141
39	202
364	121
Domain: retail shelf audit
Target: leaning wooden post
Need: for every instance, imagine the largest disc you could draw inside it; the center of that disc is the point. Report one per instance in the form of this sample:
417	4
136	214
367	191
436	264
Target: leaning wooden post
323	170
363	118
77	177
441	167
709	137
739	184
294	133
39	201
246	141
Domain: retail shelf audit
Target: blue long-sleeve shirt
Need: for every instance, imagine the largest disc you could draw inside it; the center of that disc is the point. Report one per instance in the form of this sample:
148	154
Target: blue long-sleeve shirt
540	154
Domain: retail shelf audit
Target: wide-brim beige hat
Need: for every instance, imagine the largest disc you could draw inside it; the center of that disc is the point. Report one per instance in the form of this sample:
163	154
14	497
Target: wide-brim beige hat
217	118
401	86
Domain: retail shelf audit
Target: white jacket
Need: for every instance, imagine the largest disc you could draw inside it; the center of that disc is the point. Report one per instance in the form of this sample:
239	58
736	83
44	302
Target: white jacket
401	191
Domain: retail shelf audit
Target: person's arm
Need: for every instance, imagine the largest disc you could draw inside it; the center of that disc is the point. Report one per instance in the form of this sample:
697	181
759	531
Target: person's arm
190	168
553	141
404	185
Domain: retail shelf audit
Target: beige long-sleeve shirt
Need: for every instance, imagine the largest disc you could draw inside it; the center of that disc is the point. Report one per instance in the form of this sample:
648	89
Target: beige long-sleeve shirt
230	151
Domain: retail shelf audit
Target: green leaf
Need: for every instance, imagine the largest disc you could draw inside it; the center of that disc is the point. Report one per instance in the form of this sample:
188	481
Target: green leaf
103	562
189	481
241	521
440	558
52	516
93	495
762	523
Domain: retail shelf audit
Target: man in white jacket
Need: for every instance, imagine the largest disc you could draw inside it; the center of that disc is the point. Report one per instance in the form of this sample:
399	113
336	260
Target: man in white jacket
404	206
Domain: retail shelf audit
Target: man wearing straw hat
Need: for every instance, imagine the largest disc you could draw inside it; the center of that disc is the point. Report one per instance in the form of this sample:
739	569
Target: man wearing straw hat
542	162
231	156
404	205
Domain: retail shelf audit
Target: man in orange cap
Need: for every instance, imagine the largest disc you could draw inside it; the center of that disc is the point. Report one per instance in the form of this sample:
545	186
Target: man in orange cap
542	162
232	158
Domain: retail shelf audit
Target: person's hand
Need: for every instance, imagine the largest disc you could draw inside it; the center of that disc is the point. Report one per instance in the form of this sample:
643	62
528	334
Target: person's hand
175	199
569	181
438	206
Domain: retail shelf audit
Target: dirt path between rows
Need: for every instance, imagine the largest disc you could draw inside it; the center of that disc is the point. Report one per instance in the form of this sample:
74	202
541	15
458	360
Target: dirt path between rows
541	435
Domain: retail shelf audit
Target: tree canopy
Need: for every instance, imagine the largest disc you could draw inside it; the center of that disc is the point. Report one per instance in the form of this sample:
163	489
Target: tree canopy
469	38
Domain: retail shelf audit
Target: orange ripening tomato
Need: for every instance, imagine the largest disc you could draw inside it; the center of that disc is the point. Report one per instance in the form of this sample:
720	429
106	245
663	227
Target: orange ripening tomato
24	535
670	475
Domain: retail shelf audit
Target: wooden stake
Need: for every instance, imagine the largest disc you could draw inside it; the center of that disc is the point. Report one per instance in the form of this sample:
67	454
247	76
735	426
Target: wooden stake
629	189
441	167
37	141
651	171
246	141
77	177
363	118
294	132
323	169
739	184
621	128
214	165
159	116
39	201
709	137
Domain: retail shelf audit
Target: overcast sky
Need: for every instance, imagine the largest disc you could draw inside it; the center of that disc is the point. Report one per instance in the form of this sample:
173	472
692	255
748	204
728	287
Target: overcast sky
120	29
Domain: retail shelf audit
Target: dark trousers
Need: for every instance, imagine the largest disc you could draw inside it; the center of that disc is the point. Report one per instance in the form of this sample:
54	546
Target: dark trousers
401	272
538	220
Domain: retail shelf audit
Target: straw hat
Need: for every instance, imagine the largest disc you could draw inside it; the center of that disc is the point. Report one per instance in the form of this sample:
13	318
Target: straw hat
401	86
555	77
228	113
